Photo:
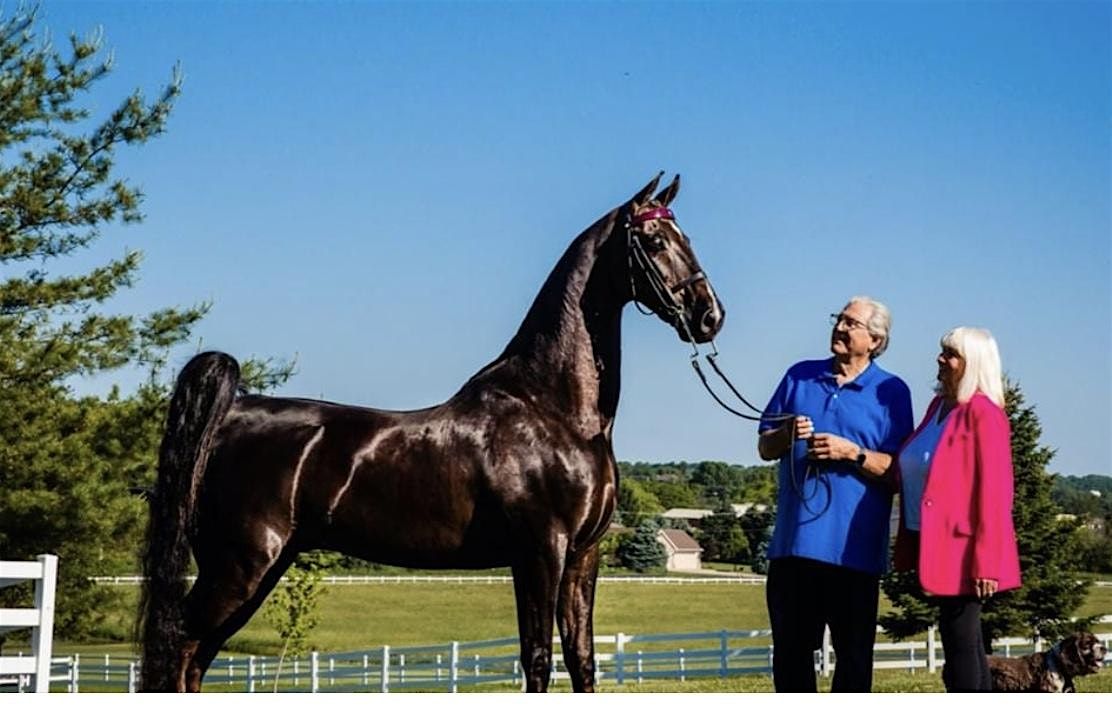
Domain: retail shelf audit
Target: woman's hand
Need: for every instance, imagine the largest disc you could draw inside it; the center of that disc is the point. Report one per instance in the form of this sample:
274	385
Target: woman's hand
984	587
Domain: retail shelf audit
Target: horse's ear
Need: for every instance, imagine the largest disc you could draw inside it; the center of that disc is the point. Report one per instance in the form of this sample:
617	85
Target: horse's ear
669	193
643	196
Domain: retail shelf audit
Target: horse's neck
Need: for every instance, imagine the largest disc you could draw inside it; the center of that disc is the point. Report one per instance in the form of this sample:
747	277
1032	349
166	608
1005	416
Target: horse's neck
570	340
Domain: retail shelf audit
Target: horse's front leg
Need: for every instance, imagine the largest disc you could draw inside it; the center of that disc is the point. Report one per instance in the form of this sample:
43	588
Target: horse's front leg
575	616
536	577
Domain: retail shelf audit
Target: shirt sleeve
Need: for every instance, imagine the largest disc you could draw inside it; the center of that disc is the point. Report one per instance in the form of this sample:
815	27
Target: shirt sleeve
777	404
900	421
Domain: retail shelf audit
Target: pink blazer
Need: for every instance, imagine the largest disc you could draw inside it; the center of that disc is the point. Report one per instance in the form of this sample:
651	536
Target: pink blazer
966	528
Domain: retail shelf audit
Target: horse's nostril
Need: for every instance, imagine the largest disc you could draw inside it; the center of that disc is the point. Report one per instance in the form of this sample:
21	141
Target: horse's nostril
709	321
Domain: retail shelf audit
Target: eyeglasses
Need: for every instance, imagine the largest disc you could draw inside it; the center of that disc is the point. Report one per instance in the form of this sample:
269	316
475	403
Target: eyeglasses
848	323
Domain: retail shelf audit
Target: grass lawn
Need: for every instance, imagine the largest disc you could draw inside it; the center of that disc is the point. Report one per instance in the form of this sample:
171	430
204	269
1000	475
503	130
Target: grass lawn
361	616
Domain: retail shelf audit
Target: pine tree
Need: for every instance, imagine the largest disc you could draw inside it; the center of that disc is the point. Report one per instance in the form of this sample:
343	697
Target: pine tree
640	551
66	462
1052	590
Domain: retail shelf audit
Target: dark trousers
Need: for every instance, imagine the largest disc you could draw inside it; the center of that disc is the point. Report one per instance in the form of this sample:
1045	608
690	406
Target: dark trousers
959	623
803	597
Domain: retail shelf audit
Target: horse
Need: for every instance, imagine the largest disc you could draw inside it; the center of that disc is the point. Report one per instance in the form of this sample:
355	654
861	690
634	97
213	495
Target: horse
516	469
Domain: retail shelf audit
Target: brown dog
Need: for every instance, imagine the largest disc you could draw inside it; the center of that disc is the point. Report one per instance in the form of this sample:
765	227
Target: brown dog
1049	671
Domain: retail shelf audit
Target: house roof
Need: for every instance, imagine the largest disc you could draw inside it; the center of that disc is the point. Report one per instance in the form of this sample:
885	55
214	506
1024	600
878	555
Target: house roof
681	513
696	514
679	540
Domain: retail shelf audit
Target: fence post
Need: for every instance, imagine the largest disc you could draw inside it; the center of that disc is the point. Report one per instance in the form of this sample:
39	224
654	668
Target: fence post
477	666
75	672
1038	643
384	680
932	650
314	672
724	645
683	667
106	668
453	669
131	677
366	670
251	674
619	656
826	649
401	668
640	666
332	671
42	635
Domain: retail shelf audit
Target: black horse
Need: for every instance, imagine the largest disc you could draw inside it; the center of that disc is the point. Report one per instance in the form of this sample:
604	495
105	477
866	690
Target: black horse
516	469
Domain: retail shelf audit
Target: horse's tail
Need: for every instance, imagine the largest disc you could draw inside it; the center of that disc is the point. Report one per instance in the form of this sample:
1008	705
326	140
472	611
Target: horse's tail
202	396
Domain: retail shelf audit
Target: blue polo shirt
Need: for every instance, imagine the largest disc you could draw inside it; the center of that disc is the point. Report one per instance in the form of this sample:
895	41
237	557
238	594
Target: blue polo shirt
837	516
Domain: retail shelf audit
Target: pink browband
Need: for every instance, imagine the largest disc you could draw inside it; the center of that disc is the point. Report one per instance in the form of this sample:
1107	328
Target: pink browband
651	214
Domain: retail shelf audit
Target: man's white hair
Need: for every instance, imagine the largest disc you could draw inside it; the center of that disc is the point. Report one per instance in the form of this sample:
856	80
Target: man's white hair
879	323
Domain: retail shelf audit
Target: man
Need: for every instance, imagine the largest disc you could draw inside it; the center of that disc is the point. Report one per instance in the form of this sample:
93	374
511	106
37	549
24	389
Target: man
830	544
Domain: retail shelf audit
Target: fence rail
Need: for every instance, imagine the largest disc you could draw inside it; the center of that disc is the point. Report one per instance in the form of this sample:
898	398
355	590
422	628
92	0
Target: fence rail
620	658
471	580
32	671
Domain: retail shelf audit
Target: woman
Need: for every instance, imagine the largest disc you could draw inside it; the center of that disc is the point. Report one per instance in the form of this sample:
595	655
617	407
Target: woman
955	476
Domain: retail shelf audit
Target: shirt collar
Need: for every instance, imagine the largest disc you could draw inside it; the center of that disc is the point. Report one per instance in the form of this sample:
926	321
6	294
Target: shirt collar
863	379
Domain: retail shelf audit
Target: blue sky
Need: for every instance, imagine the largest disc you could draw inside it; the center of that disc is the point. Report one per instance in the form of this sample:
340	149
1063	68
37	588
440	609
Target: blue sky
379	189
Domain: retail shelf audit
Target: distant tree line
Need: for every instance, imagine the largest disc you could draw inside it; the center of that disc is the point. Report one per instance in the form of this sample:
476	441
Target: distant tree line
1089	499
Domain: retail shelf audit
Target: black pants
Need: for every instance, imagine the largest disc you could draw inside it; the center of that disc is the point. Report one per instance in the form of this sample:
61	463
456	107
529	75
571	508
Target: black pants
804	596
959	623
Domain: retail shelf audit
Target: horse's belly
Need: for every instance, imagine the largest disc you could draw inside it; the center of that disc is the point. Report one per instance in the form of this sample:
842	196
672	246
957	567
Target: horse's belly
420	537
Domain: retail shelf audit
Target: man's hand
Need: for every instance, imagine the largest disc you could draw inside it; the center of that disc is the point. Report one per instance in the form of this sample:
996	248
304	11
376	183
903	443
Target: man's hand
774	443
804	427
827	446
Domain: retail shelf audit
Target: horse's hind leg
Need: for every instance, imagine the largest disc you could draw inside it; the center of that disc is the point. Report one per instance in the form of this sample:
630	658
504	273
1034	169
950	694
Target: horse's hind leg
575	616
222	600
536	576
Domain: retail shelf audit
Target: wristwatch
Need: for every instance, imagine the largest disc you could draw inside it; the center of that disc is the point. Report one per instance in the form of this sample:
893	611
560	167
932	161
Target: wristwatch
860	461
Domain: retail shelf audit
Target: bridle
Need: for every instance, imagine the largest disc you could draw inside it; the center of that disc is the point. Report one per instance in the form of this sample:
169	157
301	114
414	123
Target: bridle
677	312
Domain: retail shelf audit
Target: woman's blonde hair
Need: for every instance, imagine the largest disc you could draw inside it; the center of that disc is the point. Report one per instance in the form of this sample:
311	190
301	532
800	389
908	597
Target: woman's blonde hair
983	371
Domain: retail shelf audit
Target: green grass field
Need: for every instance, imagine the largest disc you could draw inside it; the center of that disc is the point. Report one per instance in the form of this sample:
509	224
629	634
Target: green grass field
365	616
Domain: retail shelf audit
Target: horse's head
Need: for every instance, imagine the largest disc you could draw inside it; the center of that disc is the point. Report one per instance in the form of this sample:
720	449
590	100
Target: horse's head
664	273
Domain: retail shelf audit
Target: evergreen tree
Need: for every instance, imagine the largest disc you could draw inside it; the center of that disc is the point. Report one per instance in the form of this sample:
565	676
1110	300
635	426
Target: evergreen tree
1051	591
66	463
759	563
640	551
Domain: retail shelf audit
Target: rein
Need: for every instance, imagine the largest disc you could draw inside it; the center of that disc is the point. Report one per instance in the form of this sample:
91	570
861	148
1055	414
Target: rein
676	311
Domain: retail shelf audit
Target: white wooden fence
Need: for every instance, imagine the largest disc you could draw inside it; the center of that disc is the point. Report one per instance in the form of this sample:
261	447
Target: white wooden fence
620	658
40	618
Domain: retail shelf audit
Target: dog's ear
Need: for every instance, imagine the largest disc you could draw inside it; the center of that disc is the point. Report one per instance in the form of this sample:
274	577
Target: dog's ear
1073	663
